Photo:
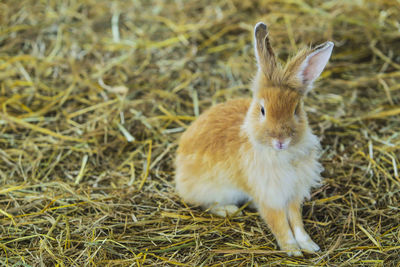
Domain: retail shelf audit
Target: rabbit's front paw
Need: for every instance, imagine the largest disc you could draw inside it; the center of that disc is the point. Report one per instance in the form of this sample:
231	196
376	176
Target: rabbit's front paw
305	242
292	249
309	246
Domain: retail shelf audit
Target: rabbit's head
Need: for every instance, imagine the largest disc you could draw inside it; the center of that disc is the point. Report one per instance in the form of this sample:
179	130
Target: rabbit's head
276	117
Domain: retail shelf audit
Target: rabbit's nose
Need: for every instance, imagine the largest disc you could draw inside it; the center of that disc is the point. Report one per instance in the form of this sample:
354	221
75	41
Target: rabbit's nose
280	144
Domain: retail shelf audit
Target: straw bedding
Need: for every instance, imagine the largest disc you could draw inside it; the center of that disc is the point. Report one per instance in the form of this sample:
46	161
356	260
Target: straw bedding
94	95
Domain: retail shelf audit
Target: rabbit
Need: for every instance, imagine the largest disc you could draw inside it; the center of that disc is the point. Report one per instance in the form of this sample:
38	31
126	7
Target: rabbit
260	149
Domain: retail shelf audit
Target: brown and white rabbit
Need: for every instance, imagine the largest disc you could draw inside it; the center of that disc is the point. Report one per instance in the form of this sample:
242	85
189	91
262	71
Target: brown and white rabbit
260	149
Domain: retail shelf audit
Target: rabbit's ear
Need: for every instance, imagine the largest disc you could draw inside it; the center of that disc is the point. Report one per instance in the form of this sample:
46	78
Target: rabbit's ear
265	55
313	64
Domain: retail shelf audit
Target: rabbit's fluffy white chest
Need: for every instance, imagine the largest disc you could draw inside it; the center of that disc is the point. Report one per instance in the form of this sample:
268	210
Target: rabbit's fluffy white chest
278	177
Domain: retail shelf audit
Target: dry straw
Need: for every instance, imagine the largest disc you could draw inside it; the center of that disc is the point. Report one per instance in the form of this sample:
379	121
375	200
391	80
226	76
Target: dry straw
94	95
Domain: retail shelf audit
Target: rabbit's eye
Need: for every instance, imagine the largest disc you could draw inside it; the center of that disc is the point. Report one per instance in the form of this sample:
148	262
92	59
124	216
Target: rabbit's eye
262	111
296	110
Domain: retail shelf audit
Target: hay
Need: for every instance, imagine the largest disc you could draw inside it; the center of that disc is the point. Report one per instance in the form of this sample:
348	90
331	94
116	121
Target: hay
94	95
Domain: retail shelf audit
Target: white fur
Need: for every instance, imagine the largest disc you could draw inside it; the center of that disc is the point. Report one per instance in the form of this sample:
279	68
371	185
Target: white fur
291	239
278	177
291	246
275	177
304	240
300	235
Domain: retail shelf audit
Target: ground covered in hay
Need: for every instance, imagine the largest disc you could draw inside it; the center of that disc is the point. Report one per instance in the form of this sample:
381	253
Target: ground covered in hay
94	95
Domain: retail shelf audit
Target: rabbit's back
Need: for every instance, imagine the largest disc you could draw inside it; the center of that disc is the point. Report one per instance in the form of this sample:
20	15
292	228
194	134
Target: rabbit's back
217	132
